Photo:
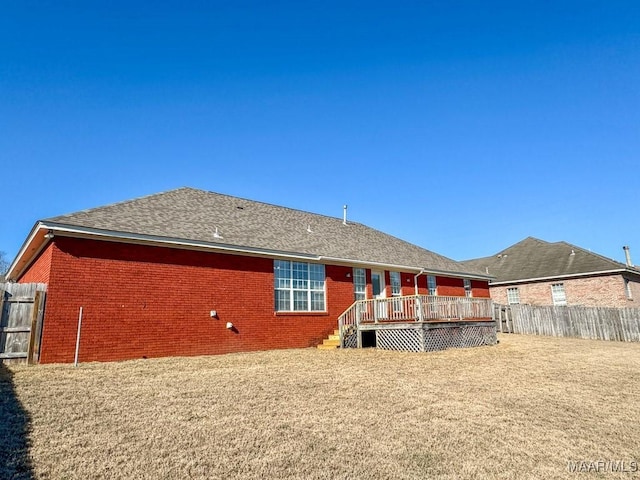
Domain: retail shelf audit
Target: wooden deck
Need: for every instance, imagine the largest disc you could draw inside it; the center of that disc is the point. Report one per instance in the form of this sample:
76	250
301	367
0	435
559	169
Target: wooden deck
418	323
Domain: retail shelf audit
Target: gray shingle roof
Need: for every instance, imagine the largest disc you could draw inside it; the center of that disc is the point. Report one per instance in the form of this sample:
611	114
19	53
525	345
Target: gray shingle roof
533	258
193	215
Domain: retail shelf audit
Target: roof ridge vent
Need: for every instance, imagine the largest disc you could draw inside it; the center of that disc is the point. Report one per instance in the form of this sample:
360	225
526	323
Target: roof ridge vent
573	253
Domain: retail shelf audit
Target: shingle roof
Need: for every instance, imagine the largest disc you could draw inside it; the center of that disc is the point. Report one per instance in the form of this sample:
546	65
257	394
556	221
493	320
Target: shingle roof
193	215
533	258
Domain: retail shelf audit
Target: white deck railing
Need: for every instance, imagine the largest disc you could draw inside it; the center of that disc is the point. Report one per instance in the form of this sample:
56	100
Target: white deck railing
418	308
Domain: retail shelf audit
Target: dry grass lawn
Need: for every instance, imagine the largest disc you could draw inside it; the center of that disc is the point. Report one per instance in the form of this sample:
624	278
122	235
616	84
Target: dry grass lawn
521	409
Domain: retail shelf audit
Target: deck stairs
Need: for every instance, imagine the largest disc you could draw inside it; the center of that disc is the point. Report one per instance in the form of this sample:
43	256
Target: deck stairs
331	342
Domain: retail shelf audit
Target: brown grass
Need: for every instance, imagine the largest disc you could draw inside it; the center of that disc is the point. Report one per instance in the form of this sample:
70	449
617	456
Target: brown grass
521	409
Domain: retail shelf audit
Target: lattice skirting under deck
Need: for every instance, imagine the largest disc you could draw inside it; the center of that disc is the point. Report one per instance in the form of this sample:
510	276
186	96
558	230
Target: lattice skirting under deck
426	338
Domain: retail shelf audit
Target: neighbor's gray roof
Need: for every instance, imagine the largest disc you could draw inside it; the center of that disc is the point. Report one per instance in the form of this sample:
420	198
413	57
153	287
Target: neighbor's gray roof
534	259
193	215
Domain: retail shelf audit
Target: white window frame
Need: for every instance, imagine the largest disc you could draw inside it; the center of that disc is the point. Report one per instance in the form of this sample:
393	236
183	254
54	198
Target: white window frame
558	294
395	279
432	285
513	296
359	284
396	284
468	292
297	284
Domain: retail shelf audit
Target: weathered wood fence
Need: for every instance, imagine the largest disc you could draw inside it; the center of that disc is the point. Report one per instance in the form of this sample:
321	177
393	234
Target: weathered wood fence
599	323
21	313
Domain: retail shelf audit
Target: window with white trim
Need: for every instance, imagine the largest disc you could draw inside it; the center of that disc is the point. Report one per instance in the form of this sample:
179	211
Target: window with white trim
359	283
467	288
299	286
396	286
513	296
396	290
432	286
558	295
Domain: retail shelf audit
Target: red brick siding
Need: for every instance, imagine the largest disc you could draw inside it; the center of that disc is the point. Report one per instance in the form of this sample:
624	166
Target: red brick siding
480	289
39	270
450	287
141	301
422	285
601	291
407	283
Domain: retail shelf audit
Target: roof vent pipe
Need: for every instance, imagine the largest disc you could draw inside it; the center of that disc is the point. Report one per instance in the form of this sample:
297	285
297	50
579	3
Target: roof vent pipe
627	255
344	215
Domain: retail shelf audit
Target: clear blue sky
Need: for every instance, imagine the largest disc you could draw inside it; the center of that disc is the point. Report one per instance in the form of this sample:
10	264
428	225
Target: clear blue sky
463	127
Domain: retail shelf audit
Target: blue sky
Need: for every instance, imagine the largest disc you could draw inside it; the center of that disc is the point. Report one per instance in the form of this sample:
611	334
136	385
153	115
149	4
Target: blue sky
463	127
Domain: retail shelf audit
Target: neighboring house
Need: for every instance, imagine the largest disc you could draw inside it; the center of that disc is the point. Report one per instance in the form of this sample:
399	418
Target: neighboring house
536	272
190	272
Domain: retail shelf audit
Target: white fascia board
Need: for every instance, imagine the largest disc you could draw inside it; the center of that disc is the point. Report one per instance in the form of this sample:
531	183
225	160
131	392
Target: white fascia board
23	249
403	268
560	277
86	232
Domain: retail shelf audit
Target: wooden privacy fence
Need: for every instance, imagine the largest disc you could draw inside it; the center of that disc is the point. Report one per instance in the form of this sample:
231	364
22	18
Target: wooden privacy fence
599	323
21	313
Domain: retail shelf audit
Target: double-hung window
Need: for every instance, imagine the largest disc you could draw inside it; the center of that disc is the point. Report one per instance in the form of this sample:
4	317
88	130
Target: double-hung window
513	296
396	290
467	288
299	286
359	284
558	295
432	286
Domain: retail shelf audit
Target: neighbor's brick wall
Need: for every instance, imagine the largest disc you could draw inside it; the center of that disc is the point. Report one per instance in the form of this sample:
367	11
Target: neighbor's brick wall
635	292
141	301
602	291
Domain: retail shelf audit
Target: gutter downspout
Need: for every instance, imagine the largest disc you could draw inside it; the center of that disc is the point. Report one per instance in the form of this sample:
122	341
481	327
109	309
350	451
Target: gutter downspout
415	279
418	303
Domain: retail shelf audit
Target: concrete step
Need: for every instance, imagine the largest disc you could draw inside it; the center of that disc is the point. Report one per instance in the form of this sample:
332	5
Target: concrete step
327	347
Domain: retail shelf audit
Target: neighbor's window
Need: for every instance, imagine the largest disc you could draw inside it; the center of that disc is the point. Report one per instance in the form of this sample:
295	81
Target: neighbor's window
513	296
359	283
299	286
432	286
557	294
467	288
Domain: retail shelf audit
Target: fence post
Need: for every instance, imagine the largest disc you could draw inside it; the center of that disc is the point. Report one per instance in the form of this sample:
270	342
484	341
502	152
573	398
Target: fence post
34	323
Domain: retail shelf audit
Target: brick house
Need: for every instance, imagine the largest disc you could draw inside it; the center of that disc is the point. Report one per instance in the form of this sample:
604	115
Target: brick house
190	272
536	272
